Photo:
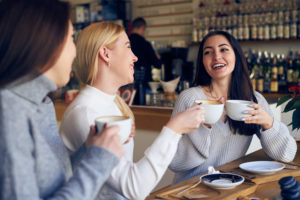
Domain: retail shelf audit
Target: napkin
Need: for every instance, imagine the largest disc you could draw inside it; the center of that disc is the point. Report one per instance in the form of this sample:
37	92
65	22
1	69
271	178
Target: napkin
211	170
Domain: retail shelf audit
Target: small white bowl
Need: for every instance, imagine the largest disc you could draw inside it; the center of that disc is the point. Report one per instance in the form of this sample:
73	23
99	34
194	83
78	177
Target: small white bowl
235	108
222	181
213	110
123	122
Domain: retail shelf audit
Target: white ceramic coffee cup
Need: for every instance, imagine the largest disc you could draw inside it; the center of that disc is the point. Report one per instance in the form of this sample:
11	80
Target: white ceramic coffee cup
213	110
123	122
235	108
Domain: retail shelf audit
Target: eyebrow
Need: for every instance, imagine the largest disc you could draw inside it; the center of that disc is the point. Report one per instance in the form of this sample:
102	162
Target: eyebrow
218	46
127	42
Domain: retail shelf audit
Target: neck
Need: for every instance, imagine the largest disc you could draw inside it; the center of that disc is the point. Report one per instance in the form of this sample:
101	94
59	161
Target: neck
105	82
220	88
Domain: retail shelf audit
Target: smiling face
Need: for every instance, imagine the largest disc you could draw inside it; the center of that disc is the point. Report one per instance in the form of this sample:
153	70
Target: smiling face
122	61
59	73
218	57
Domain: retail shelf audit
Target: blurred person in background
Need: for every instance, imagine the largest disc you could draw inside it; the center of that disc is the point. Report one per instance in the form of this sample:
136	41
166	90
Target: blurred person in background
146	54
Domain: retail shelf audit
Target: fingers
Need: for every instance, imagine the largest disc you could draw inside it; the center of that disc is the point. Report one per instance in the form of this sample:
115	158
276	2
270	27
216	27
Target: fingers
222	100
195	107
129	138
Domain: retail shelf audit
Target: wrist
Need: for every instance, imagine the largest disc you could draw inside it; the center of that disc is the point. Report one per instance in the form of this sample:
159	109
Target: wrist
269	124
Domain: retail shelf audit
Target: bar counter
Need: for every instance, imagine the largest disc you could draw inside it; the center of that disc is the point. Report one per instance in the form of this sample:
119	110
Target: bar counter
149	117
146	117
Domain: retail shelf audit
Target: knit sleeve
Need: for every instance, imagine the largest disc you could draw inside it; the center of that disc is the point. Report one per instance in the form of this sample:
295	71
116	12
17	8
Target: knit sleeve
137	180
277	141
193	149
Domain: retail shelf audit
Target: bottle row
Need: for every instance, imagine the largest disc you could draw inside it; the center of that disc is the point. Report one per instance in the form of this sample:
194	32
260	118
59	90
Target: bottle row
271	73
231	7
254	32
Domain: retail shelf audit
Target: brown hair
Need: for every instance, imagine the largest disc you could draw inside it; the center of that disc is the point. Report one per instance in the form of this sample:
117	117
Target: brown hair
32	36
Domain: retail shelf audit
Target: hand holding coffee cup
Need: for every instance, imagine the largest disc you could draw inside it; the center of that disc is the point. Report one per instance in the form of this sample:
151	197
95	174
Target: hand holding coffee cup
187	121
108	139
123	122
249	112
213	110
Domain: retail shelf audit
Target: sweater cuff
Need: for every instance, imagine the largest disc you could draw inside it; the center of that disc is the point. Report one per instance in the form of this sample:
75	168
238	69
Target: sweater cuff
96	156
271	132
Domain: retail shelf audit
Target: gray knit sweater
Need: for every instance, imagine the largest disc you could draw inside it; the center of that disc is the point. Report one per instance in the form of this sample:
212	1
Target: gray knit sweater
217	145
33	160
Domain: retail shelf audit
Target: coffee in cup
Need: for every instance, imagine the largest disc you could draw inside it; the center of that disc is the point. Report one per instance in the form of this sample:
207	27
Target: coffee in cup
235	109
123	122
213	110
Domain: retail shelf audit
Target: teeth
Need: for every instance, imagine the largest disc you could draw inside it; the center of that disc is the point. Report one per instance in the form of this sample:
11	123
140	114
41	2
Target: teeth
218	66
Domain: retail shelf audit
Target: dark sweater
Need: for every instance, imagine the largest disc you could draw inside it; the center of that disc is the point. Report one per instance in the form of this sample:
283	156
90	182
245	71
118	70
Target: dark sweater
145	53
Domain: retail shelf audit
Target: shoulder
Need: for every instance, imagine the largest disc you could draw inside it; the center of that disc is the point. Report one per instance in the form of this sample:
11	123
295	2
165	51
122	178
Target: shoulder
260	98
188	96
193	92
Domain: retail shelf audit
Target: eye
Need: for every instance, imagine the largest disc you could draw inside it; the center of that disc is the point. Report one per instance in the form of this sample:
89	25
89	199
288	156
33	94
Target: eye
207	52
224	49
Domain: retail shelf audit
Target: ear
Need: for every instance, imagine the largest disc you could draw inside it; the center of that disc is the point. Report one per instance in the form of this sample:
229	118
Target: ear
104	54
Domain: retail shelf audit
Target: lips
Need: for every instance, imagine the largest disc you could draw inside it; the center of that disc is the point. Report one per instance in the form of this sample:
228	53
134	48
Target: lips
218	66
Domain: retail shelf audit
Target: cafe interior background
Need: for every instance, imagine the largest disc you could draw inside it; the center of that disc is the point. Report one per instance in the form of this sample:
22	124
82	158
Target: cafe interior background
268	31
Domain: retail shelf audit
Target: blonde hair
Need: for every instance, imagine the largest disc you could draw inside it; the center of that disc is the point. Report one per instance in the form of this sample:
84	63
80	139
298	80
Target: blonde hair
90	40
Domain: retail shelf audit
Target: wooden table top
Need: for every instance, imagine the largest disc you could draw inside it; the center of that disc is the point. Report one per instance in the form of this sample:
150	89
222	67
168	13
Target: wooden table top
259	186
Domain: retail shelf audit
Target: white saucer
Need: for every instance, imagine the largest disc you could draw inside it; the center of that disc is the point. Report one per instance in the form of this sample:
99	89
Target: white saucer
262	167
222	181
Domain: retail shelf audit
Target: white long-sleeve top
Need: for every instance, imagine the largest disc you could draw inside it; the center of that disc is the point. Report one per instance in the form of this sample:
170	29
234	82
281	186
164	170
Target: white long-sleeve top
132	180
217	145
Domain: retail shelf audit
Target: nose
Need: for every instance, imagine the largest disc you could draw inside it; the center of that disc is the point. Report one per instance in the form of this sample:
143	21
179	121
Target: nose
217	55
134	58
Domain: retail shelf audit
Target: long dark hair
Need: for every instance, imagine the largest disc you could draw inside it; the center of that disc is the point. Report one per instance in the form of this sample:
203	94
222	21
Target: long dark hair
32	36
240	85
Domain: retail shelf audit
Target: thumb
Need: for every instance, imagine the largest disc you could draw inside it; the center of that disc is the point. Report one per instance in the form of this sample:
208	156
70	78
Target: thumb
221	100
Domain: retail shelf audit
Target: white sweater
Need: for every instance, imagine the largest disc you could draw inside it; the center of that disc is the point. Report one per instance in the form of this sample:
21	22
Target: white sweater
217	145
132	180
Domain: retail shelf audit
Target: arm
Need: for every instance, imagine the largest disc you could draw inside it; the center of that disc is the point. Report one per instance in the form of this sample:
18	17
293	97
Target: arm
151	55
28	164
276	141
136	180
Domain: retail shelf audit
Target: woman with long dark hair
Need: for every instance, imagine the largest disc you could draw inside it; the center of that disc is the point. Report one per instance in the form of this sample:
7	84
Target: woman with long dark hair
36	55
222	74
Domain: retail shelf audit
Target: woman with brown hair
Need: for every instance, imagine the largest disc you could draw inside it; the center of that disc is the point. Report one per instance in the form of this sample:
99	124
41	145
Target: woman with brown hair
36	55
222	74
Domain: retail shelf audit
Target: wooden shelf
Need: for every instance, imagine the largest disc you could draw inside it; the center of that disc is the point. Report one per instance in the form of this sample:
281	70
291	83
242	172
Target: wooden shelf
270	41
163	25
169	35
261	42
165	4
168	14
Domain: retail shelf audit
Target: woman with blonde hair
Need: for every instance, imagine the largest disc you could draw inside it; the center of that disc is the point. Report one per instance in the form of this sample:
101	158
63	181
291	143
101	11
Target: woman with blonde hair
104	63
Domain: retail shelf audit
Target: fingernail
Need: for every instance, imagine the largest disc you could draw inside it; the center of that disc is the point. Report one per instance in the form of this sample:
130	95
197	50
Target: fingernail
250	105
105	125
243	119
199	103
245	112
